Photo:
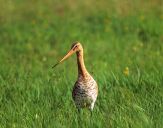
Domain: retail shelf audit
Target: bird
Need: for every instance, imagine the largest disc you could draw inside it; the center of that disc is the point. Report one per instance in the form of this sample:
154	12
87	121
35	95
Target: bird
85	90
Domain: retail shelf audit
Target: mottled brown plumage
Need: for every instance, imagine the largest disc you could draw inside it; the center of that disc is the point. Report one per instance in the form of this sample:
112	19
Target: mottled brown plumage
85	90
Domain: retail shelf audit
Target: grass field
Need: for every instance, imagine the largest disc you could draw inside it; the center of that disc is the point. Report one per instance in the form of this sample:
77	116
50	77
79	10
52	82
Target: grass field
116	36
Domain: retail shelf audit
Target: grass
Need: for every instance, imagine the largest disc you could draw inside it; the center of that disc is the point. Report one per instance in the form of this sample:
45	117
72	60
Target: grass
34	35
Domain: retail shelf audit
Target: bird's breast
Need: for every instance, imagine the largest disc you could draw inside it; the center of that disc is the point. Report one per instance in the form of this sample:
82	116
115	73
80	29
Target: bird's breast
85	90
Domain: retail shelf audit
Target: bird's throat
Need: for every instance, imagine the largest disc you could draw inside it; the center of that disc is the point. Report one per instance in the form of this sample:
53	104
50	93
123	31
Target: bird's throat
81	66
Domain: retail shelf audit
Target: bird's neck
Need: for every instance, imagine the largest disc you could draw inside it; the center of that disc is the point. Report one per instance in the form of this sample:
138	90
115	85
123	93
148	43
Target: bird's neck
81	66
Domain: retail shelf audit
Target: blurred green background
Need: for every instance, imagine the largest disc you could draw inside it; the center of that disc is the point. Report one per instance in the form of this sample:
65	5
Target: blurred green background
123	48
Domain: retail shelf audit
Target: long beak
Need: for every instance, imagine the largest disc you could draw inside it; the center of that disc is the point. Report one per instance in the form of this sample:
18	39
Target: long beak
65	57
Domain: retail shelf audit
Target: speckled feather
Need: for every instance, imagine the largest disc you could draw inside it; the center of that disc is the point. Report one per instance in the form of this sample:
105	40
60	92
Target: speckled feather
85	92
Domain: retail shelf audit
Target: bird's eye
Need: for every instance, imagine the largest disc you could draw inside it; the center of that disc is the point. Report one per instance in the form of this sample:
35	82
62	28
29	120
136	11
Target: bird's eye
75	47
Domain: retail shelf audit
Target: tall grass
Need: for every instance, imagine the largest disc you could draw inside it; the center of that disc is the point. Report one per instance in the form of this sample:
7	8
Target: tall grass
116	35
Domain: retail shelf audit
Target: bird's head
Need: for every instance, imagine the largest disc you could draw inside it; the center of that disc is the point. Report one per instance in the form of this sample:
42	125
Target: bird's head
75	48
